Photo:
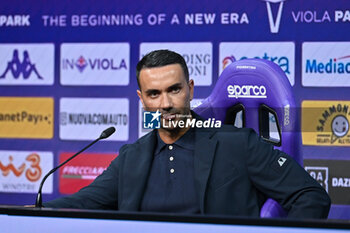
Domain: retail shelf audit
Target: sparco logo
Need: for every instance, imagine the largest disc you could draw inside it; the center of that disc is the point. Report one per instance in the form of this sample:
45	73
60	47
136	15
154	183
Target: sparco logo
246	91
274	23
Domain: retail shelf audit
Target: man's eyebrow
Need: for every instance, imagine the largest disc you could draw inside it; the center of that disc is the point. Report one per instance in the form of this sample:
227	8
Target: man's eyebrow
151	91
176	85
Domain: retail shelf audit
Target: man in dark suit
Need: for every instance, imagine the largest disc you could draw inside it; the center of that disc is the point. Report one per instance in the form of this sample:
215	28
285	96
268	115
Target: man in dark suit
226	171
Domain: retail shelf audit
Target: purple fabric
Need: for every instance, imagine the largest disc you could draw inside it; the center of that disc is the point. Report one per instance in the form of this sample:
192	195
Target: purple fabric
253	82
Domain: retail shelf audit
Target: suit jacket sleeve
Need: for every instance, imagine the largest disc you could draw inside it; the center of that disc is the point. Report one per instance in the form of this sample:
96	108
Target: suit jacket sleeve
281	178
102	193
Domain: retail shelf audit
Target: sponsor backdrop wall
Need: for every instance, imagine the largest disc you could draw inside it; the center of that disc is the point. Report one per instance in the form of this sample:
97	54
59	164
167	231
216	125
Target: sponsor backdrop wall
67	72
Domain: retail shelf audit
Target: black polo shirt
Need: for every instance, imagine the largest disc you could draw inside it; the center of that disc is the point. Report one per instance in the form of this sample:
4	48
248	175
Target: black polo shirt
170	186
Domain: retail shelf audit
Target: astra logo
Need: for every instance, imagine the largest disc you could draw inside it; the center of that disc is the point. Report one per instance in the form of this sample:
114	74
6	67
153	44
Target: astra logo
282	61
227	61
274	22
94	64
246	91
333	66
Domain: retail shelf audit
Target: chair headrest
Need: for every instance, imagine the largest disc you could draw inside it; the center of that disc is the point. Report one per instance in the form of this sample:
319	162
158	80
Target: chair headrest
252	83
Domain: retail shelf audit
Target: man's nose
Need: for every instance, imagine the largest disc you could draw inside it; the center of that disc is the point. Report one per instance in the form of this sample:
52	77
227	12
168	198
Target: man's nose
166	102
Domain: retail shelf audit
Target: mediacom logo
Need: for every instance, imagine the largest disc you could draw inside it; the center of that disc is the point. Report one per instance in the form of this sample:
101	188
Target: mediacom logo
281	53
26	64
326	64
198	57
86	118
24	117
95	63
326	123
334	65
82	170
22	171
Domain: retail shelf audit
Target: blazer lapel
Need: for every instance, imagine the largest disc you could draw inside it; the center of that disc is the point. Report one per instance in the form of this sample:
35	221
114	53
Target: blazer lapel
203	160
136	171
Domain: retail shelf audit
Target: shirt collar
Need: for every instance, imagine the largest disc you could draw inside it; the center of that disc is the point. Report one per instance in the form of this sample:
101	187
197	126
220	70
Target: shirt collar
186	141
160	144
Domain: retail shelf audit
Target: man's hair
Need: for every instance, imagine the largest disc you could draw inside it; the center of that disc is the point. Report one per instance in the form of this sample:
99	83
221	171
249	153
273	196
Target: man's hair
159	58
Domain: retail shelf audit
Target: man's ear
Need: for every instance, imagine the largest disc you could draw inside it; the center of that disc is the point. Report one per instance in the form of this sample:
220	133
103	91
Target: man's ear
191	87
139	94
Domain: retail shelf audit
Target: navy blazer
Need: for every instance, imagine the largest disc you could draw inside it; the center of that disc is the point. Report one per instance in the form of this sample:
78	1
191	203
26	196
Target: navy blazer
235	172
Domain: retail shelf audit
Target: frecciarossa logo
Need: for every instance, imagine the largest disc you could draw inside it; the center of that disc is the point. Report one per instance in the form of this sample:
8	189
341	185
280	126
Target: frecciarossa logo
246	91
333	66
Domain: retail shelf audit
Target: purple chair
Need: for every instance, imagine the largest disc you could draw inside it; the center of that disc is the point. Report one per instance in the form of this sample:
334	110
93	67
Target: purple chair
256	93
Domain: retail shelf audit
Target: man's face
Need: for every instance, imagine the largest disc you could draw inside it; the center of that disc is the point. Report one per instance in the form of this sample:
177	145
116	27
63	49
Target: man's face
165	89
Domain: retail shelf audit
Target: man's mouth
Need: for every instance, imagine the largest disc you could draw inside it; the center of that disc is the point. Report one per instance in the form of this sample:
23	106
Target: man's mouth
169	116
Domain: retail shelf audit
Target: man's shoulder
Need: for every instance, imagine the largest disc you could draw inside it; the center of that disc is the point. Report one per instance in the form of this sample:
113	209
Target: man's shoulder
226	129
147	138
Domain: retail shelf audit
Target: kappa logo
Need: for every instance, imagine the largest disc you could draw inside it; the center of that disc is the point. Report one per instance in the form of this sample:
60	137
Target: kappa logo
274	23
281	161
16	67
